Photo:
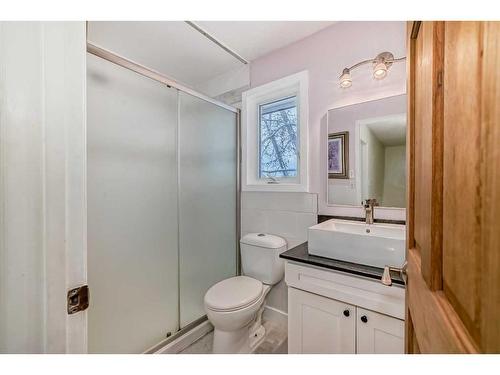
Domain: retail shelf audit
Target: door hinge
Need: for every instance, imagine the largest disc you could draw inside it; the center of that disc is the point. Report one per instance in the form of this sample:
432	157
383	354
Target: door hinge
78	299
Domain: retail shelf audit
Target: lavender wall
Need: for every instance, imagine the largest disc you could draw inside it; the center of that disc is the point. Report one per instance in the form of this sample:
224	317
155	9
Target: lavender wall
324	55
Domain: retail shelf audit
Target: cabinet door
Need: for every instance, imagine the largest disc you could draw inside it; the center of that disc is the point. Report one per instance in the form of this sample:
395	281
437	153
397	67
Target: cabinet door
319	325
378	333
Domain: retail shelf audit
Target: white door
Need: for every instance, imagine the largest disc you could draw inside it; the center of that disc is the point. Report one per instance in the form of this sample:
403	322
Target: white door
378	333
319	325
42	189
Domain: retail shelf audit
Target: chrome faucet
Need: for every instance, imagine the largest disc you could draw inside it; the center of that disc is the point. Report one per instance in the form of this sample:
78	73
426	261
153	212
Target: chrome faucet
386	276
368	205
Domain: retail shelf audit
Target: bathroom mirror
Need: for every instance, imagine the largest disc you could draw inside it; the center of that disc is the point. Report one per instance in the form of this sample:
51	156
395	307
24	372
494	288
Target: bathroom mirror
366	151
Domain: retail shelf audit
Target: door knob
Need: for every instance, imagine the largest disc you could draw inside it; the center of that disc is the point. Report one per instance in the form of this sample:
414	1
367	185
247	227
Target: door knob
346	313
364	319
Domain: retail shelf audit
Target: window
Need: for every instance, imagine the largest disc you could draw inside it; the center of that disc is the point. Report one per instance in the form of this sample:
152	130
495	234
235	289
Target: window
278	138
274	135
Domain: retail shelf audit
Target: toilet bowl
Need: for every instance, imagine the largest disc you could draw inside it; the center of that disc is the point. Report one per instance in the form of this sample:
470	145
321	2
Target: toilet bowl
232	319
234	306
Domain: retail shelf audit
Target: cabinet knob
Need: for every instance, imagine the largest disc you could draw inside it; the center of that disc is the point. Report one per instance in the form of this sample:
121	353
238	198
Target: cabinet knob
346	312
364	319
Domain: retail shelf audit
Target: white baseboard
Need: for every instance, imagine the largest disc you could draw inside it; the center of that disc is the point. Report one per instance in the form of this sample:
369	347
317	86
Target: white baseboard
274	315
187	339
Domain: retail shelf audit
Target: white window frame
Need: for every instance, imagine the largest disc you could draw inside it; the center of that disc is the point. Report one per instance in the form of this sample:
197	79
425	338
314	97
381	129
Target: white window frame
292	85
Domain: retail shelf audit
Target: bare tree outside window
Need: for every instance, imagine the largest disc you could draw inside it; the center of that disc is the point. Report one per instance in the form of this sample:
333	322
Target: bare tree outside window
278	138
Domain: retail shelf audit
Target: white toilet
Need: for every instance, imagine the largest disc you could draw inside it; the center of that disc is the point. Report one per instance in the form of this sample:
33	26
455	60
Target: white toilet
235	305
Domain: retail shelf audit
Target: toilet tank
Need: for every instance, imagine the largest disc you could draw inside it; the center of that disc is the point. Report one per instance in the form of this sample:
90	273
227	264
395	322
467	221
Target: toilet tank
260	257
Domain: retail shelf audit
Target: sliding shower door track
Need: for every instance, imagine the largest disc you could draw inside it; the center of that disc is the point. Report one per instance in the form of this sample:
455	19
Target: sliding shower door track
176	335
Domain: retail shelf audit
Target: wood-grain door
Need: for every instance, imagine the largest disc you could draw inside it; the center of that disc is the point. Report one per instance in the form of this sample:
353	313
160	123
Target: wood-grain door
453	291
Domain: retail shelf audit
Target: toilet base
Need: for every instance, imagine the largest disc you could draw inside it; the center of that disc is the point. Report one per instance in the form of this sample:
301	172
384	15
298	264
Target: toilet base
256	337
228	342
242	341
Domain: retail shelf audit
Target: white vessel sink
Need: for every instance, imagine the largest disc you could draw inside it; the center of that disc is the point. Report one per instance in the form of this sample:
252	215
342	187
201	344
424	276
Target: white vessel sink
376	245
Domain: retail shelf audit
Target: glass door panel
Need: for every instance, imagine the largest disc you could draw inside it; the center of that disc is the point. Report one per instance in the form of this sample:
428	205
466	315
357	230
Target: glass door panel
207	192
132	209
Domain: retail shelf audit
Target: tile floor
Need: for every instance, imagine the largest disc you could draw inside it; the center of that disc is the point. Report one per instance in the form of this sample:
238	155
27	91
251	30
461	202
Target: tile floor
201	346
275	342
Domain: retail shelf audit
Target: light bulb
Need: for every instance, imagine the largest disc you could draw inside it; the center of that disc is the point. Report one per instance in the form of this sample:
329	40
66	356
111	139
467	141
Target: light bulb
380	71
345	79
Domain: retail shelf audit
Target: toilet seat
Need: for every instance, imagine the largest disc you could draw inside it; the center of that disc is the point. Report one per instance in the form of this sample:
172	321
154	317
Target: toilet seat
233	294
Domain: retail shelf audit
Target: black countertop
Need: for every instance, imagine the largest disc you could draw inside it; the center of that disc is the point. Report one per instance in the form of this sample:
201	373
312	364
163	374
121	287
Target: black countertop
301	254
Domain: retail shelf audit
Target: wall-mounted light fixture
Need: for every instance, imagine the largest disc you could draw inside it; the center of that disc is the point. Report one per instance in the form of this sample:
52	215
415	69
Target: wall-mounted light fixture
381	64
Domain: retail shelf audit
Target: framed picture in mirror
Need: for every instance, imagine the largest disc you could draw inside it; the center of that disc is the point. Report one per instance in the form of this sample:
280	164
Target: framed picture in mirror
338	155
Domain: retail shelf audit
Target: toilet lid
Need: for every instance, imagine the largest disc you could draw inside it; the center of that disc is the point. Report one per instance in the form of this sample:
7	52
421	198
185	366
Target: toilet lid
233	293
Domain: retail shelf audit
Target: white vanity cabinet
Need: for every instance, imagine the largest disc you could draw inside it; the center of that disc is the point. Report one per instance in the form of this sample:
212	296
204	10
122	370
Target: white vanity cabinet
334	312
320	325
378	334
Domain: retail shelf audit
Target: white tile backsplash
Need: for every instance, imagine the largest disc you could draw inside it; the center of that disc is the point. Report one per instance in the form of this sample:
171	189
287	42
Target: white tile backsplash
284	214
253	221
289	225
305	221
283	223
294	202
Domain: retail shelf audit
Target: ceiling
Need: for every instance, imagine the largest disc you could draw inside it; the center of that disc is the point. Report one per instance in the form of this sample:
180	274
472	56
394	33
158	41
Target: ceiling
177	50
389	130
253	39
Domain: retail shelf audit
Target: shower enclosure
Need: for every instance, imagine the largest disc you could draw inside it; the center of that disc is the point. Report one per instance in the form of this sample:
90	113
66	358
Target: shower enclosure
162	181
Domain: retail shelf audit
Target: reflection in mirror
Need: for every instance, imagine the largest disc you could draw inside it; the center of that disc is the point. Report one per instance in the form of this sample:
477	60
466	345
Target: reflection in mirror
367	153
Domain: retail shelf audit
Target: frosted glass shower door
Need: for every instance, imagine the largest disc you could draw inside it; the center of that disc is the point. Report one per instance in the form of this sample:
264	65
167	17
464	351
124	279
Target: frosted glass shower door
207	192
132	209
